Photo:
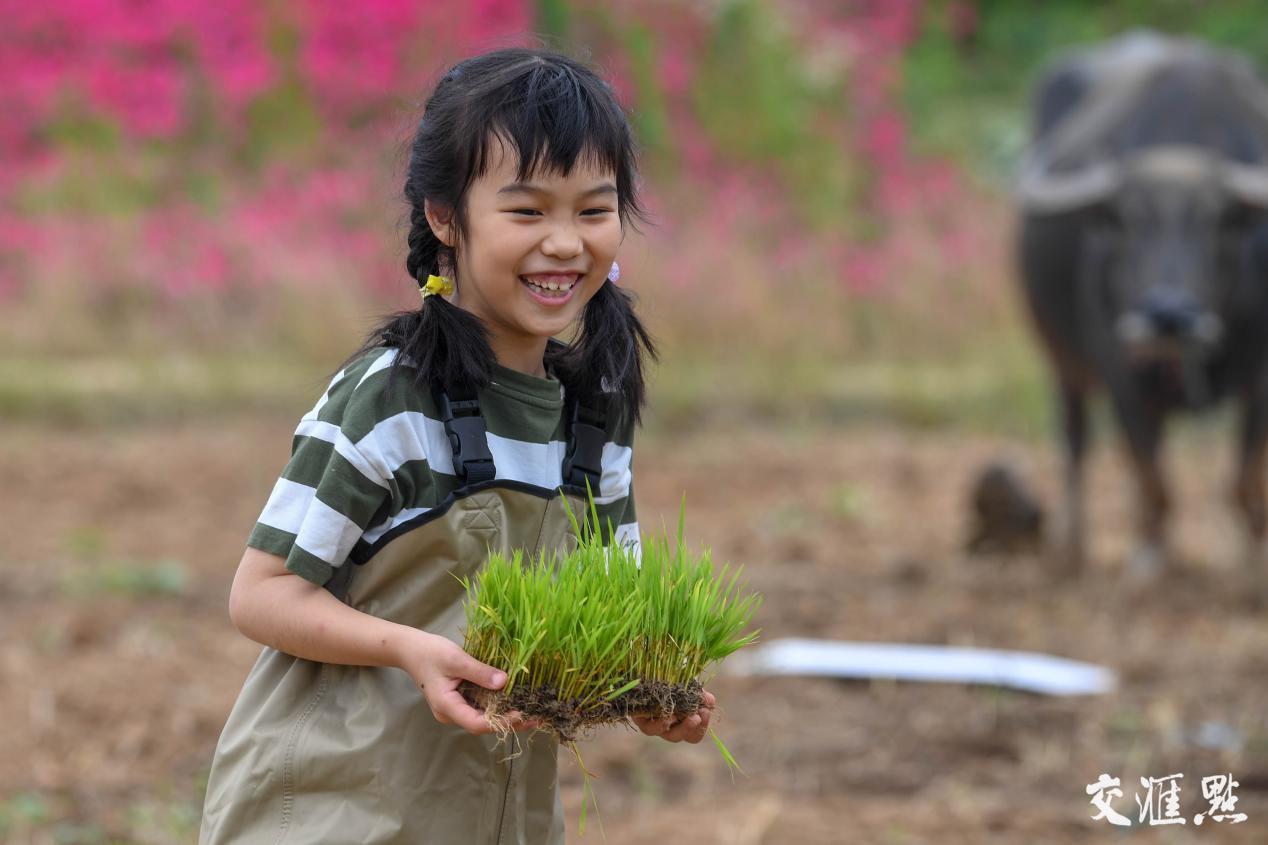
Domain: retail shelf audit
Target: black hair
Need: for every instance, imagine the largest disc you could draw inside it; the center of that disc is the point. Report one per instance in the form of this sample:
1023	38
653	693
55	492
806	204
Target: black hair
553	111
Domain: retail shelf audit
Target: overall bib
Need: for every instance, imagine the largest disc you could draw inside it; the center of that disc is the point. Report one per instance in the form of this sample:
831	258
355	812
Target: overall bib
324	753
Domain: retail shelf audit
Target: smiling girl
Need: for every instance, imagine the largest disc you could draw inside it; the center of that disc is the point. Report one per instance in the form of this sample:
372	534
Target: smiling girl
458	428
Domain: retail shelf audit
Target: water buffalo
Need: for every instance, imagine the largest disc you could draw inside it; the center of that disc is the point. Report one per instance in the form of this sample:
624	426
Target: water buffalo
1143	248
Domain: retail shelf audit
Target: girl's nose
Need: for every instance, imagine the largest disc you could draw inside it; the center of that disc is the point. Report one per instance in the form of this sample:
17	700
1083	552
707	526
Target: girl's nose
562	242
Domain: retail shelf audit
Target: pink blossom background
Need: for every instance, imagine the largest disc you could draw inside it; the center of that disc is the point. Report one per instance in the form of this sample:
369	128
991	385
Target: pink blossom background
161	161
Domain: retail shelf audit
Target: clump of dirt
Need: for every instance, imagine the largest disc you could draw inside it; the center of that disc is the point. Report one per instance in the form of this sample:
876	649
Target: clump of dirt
566	718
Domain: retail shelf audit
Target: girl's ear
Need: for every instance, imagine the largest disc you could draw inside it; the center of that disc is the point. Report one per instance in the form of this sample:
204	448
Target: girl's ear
440	220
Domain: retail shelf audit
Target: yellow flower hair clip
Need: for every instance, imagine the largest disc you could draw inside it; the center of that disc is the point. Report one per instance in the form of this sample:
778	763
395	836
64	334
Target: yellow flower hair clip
442	285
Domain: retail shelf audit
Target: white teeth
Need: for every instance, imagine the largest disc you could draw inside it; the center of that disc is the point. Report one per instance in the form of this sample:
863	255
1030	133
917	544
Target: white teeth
549	286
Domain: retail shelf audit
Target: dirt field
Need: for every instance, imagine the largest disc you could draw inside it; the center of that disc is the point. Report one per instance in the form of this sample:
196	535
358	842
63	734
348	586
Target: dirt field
119	664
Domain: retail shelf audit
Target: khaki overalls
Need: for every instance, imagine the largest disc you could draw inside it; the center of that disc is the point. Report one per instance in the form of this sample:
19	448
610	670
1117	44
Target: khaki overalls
322	753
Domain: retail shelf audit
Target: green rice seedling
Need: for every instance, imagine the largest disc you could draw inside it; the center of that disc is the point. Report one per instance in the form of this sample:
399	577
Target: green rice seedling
599	635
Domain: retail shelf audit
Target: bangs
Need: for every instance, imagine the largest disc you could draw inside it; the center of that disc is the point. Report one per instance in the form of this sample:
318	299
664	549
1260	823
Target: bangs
553	116
539	155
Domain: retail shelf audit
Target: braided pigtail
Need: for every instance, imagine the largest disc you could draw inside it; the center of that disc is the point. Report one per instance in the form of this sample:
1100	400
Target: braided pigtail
609	353
449	345
443	343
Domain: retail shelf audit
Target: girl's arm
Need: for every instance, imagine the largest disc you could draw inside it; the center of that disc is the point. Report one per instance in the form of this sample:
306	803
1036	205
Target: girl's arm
277	608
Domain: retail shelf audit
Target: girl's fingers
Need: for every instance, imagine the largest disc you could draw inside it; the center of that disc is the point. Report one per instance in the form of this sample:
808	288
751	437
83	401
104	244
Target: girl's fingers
452	708
688	729
691	729
694	727
468	668
651	726
520	723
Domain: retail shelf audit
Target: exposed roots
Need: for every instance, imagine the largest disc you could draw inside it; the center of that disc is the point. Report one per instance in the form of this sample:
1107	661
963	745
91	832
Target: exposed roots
566	719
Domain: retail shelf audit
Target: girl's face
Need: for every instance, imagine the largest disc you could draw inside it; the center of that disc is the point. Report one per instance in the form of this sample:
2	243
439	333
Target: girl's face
534	253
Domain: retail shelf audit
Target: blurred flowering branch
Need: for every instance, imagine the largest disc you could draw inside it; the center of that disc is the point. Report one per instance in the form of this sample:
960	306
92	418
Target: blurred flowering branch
159	151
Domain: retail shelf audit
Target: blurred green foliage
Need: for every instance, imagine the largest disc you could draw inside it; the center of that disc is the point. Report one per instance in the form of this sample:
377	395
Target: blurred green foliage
768	101
553	18
22	810
966	88
164	579
751	94
758	102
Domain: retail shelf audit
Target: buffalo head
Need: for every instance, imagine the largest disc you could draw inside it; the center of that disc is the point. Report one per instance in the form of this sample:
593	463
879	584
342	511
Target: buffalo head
1169	230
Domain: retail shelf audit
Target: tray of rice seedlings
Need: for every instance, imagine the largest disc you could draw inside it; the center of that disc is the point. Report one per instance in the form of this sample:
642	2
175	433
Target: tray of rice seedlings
603	633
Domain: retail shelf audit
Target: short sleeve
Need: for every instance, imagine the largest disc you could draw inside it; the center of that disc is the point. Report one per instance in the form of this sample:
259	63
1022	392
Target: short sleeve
327	494
615	499
625	531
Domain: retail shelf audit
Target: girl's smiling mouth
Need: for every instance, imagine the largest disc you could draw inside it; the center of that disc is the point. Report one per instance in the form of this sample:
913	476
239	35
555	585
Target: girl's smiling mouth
551	288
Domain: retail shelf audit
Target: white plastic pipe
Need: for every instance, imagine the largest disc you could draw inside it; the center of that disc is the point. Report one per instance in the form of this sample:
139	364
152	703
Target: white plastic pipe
1024	670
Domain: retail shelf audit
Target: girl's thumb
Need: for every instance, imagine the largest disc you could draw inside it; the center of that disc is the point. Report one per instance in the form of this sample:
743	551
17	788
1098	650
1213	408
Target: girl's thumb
481	673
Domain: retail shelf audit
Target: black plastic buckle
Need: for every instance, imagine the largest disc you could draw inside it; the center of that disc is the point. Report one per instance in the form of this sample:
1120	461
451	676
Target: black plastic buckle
584	462
472	460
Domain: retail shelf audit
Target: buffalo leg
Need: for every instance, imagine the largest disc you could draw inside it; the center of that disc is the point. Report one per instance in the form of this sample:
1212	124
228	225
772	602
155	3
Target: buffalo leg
1249	487
1072	403
1142	428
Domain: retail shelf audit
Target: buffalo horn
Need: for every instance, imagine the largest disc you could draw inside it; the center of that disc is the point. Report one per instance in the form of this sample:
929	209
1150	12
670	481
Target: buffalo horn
1249	183
1041	191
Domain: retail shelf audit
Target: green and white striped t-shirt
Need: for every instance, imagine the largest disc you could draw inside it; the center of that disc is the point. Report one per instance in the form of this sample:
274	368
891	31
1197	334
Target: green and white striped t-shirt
364	462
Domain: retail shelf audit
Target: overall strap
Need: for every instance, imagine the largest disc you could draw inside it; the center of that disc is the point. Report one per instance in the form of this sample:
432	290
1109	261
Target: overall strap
586	432
460	412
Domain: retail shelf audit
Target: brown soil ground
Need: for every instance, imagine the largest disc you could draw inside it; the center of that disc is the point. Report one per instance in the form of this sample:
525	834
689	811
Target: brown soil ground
119	665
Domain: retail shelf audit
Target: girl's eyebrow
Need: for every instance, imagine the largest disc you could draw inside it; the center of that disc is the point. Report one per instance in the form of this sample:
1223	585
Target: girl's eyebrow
530	188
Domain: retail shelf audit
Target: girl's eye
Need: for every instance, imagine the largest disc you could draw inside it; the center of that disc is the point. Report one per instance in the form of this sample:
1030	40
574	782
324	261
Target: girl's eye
589	212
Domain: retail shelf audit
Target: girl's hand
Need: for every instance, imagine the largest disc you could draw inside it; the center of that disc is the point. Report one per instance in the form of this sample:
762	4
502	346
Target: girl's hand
689	729
438	666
